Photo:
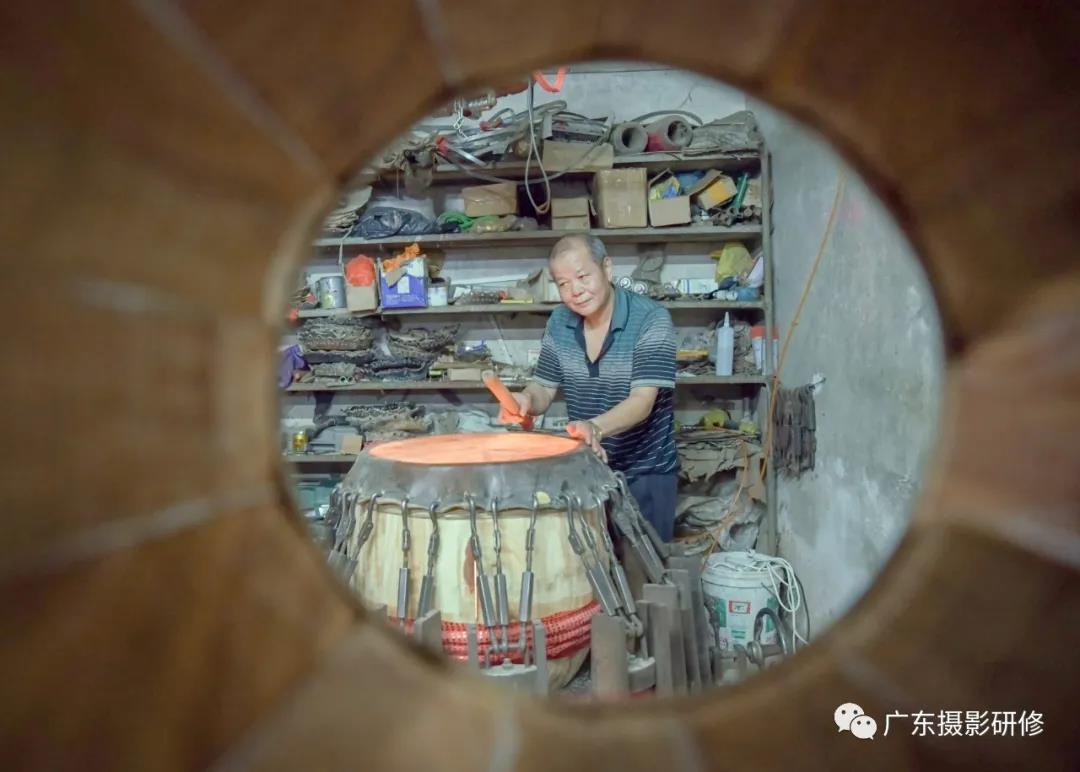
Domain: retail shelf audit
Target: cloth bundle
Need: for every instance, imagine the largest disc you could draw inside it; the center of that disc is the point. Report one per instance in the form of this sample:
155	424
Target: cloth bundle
794	431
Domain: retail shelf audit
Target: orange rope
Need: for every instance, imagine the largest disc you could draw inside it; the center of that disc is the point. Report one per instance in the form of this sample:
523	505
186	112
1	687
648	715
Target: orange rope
551	88
768	436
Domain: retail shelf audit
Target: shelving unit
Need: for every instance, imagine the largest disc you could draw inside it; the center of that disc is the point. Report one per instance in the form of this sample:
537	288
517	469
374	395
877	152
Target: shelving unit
681	382
532	308
690	233
501	245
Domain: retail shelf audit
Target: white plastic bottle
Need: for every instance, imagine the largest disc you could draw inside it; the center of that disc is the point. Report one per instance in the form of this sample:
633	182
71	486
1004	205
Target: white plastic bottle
725	347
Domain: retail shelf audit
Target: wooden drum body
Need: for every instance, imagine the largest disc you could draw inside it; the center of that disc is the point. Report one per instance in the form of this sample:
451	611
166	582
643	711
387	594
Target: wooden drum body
459	523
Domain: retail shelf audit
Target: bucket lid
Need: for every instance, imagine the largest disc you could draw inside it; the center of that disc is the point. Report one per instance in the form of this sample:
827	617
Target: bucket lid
742	560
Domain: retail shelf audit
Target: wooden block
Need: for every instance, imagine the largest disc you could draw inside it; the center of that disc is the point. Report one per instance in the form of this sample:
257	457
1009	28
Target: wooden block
609	662
705	635
427	631
667	641
688	628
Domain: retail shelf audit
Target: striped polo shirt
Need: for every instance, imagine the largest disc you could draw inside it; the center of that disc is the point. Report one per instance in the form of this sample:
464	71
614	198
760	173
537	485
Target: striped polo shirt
639	351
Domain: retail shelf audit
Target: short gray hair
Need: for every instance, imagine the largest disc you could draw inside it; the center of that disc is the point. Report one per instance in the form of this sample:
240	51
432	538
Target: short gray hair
592	244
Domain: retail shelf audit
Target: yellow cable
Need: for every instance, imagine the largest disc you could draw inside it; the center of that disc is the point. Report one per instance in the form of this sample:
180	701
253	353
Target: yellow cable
768	440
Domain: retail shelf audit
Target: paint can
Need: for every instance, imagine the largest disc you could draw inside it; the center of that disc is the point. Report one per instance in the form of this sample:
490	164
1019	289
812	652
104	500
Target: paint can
332	292
737	586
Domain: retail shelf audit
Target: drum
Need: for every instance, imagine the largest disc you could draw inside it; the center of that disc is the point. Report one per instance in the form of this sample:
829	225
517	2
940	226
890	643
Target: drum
493	530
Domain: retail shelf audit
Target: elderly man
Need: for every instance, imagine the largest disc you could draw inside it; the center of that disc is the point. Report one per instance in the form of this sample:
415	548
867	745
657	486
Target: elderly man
612	352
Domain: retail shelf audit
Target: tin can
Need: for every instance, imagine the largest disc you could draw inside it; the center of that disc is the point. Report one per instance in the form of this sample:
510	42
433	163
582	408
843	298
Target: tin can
332	292
299	442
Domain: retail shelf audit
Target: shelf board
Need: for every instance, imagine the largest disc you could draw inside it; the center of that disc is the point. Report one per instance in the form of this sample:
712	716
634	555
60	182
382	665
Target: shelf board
515	170
319	458
701	380
489	308
547	308
684	233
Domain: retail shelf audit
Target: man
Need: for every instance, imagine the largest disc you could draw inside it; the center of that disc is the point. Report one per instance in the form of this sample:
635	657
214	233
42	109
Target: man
612	352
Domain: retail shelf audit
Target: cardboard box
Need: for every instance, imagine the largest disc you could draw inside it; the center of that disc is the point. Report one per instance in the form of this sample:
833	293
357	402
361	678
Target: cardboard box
560	156
352	444
571	214
753	192
712	190
497	199
570	207
464	373
406	286
669	211
571	223
620	198
361	298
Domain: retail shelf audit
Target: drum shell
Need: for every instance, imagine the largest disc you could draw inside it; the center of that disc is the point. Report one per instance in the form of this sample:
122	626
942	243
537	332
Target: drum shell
560	585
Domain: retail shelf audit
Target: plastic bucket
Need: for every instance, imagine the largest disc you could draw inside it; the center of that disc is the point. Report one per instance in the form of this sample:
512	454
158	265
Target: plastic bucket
737	586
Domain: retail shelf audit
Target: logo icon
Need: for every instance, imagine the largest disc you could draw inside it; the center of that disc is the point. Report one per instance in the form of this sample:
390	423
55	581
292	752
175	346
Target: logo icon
850	717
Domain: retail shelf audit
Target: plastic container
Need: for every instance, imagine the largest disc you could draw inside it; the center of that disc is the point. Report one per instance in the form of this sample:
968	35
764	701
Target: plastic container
737	586
725	347
757	340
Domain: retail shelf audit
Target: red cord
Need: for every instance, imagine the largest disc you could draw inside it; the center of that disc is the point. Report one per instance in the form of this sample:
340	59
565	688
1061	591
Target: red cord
560	78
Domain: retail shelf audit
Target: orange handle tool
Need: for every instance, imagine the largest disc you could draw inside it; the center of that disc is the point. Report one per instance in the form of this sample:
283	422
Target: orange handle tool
506	399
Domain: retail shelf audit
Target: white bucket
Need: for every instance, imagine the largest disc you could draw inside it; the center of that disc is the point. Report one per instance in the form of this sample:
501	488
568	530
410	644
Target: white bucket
737	586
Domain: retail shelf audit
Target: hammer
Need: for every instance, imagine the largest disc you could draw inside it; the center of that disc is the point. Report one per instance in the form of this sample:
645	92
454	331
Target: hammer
506	399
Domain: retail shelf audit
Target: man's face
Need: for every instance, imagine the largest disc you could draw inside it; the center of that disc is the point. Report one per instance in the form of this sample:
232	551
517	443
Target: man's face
584	285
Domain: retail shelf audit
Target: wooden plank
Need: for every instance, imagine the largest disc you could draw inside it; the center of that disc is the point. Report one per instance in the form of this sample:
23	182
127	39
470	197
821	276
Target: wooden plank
608	659
547	308
697	381
427	631
445	173
689	630
769	535
319	458
488	308
667	639
658	643
702	627
688	233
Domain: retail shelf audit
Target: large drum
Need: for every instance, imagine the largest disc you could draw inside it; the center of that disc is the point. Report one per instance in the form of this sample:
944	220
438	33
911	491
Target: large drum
494	531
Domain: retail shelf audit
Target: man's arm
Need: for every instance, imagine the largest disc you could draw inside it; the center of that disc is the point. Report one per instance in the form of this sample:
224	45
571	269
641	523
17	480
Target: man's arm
628	413
540	398
538	395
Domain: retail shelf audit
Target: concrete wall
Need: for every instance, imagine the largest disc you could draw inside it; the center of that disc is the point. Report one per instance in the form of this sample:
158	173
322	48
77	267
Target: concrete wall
870	329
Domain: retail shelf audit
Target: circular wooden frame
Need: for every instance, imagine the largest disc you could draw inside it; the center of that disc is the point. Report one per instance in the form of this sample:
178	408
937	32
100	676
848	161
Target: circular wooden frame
168	163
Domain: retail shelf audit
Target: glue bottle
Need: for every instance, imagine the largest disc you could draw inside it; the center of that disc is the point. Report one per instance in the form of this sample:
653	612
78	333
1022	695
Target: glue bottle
725	347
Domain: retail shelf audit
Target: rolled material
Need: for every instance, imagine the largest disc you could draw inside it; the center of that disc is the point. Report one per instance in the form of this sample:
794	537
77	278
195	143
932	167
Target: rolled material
629	138
670	133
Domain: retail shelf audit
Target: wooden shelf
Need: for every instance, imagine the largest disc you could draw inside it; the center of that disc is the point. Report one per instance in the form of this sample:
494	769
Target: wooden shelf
701	380
319	458
532	308
686	233
488	308
515	170
397	386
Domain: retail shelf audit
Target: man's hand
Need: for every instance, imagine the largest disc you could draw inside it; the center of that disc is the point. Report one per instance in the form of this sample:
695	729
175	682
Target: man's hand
583	430
524	406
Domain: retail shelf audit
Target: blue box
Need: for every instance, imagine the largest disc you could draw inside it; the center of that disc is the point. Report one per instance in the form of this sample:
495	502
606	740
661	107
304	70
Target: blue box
409	289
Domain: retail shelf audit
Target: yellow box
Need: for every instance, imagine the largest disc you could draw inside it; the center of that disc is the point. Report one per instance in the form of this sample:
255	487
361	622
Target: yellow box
714	189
